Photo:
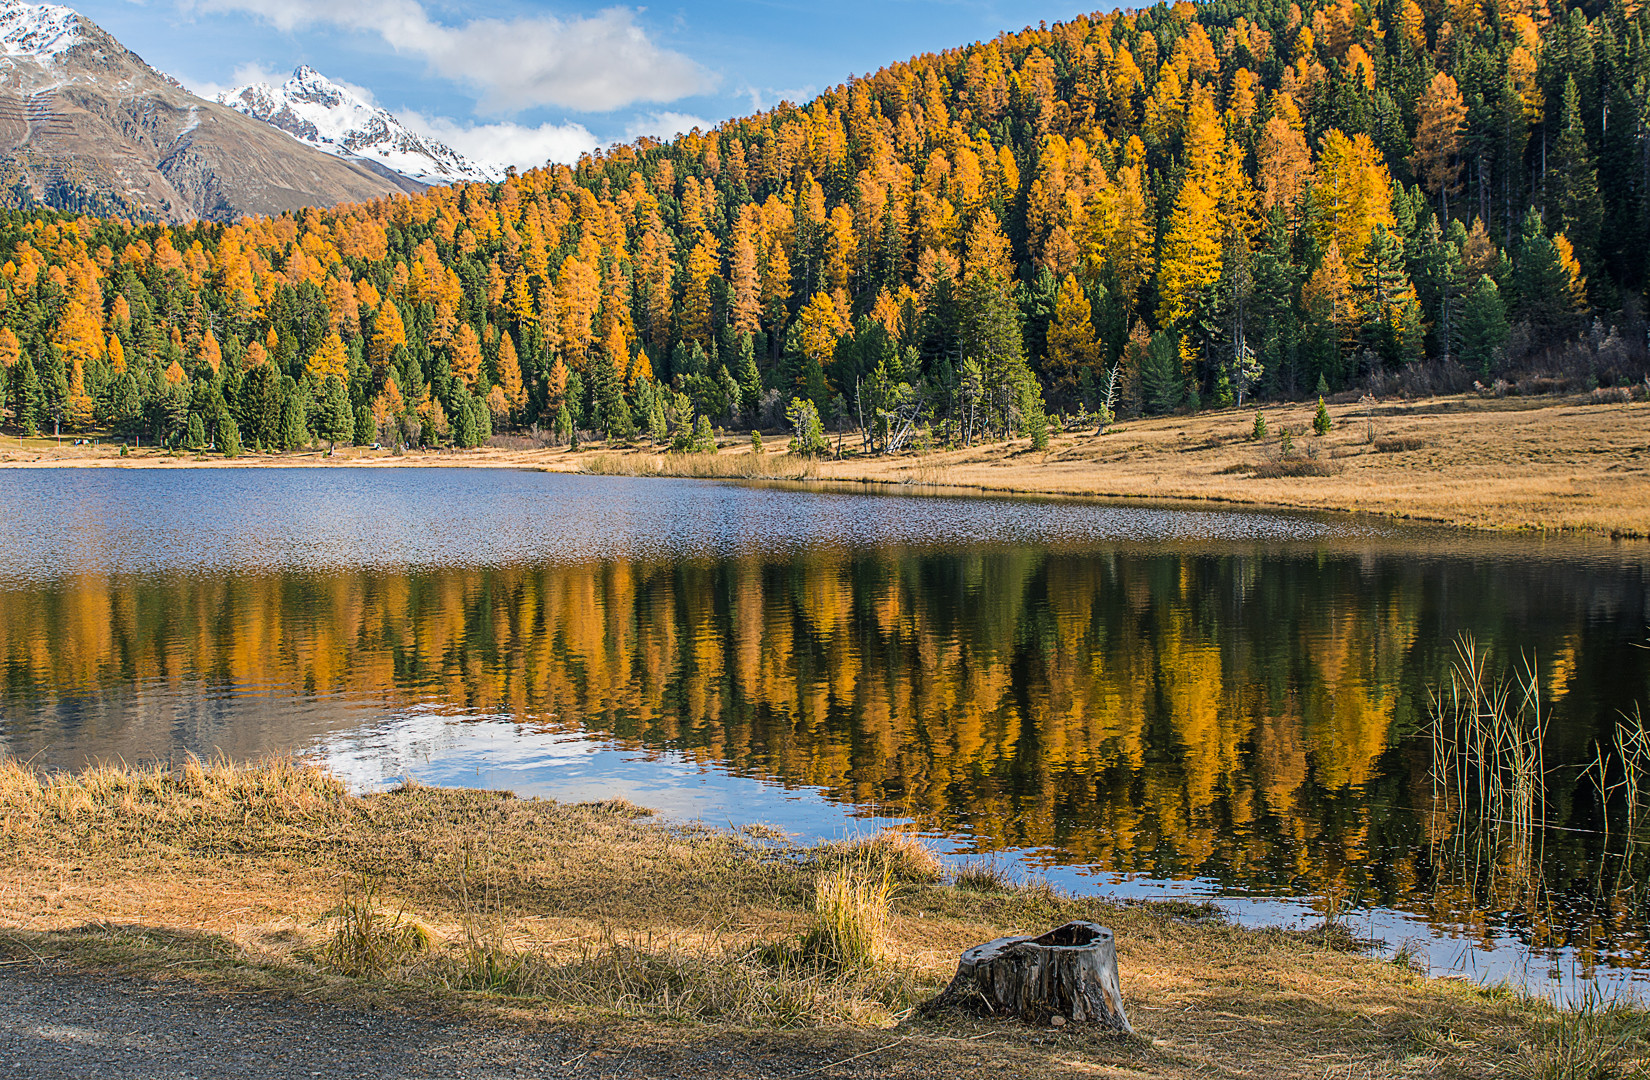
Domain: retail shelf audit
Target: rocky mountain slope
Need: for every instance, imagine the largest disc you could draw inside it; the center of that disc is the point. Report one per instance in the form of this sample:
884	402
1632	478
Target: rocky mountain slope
333	119
86	125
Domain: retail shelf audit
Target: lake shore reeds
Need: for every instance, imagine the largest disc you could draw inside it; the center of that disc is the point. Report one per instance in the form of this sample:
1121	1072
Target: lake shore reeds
709	466
270	876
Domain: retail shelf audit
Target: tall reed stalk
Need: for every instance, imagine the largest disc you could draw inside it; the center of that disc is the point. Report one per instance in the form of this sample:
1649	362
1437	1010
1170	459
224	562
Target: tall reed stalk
1488	735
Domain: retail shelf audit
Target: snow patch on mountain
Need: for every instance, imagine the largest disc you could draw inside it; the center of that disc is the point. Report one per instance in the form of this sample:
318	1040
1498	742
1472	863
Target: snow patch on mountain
331	117
40	30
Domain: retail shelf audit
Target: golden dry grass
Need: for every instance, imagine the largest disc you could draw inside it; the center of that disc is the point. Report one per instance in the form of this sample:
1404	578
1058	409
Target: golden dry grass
1562	463
587	915
717	466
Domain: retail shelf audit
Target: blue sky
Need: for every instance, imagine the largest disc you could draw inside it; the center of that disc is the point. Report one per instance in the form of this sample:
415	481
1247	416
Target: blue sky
518	82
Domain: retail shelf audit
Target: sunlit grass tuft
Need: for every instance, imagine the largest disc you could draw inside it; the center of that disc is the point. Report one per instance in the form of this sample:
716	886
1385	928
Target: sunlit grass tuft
899	852
368	941
1601	1036
983	875
850	917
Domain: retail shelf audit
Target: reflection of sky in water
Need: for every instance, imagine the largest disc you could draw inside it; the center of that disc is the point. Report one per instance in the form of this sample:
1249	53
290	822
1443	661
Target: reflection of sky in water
438	748
444	518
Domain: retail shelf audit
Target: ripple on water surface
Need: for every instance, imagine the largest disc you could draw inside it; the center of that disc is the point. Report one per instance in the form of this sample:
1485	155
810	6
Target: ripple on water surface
166	521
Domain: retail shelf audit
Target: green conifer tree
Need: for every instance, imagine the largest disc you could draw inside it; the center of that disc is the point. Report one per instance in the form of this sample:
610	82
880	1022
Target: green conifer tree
1541	284
293	435
337	420
1483	327
1572	181
1160	379
228	435
30	401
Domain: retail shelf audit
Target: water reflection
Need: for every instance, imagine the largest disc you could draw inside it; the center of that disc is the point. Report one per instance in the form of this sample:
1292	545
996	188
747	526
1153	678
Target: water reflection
1238	711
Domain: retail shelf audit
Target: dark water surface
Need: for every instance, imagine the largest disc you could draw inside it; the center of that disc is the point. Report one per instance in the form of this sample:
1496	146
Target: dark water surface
1130	699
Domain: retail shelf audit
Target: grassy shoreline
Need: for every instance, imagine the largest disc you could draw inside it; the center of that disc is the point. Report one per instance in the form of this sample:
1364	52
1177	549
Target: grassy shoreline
271	877
1565	464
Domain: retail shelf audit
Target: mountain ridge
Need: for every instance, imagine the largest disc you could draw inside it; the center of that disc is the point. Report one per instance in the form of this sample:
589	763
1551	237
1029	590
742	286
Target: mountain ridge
86	125
332	118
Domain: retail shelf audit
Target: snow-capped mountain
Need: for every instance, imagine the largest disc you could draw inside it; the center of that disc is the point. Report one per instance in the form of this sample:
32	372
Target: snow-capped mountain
86	125
315	110
40	30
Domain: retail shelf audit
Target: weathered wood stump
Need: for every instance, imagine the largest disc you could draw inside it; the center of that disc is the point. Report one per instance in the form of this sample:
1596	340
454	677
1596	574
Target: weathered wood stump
1069	973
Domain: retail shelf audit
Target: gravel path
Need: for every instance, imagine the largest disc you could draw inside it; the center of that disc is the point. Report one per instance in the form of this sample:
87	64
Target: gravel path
65	1023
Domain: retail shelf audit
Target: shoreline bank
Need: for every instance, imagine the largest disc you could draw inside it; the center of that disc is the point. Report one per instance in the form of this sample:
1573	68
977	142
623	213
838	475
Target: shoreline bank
1539	465
271	878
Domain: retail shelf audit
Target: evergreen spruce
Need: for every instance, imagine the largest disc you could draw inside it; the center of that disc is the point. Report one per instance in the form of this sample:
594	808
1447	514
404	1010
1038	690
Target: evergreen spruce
1540	283
1483	327
1160	374
228	435
293	435
1572	180
30	400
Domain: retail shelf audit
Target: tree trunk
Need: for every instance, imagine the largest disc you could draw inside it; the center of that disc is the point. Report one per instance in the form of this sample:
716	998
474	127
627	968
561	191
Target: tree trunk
1069	972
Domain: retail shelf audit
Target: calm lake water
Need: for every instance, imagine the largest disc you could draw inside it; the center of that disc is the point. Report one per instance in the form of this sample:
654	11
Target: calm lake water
1132	700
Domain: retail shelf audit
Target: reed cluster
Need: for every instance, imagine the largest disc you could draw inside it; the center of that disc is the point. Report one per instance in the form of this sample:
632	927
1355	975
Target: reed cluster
1624	768
739	466
1488	736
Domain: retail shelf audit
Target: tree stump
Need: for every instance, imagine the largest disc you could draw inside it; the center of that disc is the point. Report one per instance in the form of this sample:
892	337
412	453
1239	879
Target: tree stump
1069	973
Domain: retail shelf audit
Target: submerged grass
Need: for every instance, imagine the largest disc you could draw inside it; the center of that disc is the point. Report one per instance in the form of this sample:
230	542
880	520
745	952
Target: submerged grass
272	876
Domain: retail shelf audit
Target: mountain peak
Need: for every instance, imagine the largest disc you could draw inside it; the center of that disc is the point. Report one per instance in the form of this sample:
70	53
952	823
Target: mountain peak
41	30
331	117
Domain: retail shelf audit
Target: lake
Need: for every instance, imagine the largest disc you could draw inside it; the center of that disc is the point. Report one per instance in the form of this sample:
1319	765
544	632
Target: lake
1131	700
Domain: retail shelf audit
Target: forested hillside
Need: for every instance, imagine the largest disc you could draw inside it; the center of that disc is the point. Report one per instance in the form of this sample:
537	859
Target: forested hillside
1178	208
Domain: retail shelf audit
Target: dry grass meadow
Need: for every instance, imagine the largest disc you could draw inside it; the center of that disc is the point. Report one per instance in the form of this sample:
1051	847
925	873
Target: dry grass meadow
270	877
1578	463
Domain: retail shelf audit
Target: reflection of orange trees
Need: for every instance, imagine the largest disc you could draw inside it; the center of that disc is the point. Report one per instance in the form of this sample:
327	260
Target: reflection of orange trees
1102	706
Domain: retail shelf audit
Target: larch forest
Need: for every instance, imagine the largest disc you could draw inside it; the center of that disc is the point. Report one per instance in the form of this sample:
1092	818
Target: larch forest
1190	206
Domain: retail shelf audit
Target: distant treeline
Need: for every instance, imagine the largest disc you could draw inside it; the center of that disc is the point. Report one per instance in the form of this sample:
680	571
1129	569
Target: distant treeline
1183	207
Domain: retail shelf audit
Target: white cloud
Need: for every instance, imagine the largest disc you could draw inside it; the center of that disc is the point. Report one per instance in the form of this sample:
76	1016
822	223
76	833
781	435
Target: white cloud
500	145
664	125
768	97
245	75
590	63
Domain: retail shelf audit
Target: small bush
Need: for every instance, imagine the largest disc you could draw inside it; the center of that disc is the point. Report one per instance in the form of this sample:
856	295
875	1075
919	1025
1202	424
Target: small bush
1321	423
1274	470
1260	427
809	432
756	441
1397	444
